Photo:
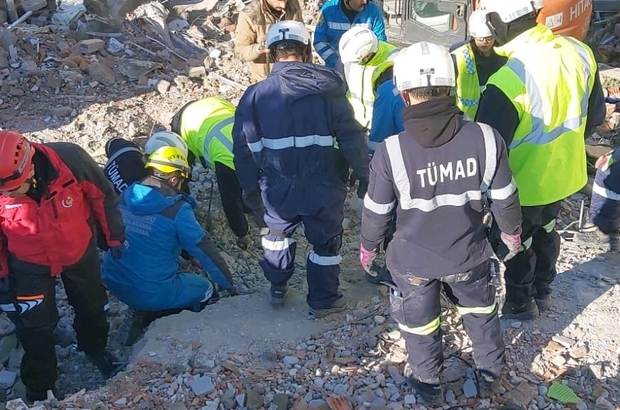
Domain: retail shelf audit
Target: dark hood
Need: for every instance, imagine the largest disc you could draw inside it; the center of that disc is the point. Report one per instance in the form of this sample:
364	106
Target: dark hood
433	123
299	80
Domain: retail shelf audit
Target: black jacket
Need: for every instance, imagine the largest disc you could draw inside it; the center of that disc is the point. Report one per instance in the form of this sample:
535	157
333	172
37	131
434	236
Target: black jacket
124	166
434	175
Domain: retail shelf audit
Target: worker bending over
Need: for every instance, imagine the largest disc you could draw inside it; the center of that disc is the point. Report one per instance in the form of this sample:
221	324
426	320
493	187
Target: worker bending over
206	125
284	135
50	196
475	61
160	222
433	177
367	63
338	16
543	101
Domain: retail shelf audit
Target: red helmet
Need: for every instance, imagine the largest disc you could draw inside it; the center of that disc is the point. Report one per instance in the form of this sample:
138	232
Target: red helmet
15	160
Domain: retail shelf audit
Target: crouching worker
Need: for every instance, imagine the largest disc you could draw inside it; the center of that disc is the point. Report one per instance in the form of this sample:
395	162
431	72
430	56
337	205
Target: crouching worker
160	222
50	196
206	125
433	177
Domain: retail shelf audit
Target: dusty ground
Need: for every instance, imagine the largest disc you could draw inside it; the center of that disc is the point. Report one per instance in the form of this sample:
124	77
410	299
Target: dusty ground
240	353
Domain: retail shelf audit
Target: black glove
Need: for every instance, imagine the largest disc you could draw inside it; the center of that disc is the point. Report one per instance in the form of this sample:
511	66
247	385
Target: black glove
363	184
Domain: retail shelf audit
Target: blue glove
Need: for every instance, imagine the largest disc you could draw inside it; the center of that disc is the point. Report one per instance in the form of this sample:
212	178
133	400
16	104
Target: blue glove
117	251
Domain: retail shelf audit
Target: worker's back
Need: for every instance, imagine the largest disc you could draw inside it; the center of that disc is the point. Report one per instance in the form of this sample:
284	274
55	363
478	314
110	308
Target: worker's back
288	123
439	181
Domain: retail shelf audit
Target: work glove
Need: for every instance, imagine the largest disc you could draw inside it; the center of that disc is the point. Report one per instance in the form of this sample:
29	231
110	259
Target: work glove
366	259
362	186
118	250
513	243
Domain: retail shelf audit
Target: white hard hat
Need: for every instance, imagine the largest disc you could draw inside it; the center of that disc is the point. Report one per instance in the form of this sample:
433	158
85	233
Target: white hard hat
477	25
423	65
288	30
357	43
510	10
165	139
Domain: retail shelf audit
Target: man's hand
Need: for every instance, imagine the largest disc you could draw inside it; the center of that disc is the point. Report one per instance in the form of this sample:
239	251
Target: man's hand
513	243
118	250
363	184
261	49
367	258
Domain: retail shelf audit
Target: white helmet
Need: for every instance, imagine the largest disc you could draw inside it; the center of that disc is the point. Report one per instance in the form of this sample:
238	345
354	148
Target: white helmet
288	30
165	139
477	25
357	44
423	65
510	10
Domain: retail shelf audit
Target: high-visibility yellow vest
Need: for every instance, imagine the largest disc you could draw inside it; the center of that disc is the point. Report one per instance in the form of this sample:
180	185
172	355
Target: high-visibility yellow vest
206	125
468	87
549	79
362	79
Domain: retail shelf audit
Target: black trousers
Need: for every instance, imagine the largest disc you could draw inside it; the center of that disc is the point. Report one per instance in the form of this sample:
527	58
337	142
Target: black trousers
415	305
37	315
232	199
530	273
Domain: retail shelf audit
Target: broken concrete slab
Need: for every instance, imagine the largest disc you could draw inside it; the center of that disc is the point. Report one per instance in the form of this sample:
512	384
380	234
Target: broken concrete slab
91	45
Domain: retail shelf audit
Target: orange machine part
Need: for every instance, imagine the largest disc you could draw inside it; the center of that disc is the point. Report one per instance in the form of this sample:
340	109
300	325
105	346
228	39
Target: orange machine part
568	17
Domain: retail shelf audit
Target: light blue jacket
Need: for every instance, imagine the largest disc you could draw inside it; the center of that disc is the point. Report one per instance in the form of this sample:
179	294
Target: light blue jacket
387	118
159	223
334	23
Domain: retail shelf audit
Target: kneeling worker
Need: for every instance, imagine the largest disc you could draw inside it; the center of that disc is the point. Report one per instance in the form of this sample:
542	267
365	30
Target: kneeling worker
433	177
159	222
206	126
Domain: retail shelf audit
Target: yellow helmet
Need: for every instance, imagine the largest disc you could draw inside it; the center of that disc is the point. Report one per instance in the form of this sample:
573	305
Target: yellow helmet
168	160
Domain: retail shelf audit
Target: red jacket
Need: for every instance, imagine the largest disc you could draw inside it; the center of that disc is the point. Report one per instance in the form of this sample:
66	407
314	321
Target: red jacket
57	231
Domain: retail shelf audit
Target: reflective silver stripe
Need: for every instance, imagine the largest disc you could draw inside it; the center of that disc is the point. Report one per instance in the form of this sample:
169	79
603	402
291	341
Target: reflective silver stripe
527	243
291	142
401	180
538	136
216	133
338	26
395	91
276	246
324	50
8	307
490	156
121	152
324	260
605	193
503	193
379	209
106	307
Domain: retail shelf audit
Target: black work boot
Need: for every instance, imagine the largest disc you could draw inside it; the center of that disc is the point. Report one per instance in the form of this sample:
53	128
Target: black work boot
543	301
33	396
526	311
340	305
488	383
381	274
278	294
429	393
108	365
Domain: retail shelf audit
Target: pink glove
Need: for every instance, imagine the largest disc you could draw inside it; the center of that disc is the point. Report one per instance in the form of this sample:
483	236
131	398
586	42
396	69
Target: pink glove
366	258
513	243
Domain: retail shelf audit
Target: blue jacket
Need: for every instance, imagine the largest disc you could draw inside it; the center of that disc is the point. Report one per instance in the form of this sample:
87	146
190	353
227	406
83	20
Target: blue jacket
334	23
387	118
159	223
605	203
284	134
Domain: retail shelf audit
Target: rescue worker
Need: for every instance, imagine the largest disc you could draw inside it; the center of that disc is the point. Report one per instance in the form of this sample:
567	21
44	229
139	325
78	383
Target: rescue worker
160	222
367	63
475	61
50	194
206	125
251	31
543	101
338	16
284	135
602	231
387	118
125	163
433	177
